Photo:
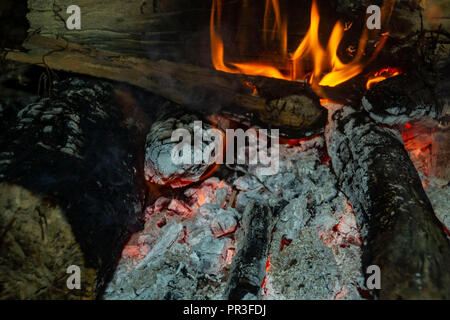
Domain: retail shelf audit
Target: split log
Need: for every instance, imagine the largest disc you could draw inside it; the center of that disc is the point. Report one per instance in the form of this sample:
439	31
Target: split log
206	90
401	233
71	192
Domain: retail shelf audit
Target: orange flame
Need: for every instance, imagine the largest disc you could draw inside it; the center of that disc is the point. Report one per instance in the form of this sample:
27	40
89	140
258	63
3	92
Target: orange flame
328	70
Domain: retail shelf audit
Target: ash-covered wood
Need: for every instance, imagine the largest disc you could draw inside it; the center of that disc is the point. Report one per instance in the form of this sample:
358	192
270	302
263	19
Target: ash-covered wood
401	233
72	191
248	268
160	167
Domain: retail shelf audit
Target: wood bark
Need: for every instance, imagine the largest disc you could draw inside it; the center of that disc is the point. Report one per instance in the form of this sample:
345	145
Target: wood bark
71	192
401	233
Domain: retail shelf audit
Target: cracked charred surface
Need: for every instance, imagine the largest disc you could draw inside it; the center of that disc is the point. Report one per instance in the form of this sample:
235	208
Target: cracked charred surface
402	235
248	268
159	166
407	97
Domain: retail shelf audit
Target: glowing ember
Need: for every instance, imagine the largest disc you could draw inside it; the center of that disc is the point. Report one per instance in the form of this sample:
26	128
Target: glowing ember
418	142
340	295
268	264
329	70
267	270
345	233
230	255
285	242
382	75
253	87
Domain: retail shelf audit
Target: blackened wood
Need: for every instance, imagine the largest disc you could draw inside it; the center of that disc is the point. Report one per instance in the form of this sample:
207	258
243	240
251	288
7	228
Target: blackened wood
401	233
248	269
72	191
14	24
408	97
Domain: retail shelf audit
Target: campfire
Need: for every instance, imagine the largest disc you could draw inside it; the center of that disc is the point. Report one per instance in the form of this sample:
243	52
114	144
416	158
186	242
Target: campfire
327	67
219	149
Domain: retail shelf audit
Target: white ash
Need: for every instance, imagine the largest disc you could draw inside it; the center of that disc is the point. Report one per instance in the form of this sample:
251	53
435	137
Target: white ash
294	162
186	253
306	269
179	255
323	259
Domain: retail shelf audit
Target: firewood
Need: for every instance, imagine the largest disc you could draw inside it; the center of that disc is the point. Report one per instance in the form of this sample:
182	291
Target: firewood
186	85
408	97
401	233
153	29
71	192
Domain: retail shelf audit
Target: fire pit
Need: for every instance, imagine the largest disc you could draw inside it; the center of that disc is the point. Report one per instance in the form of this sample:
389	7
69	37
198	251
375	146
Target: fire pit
243	150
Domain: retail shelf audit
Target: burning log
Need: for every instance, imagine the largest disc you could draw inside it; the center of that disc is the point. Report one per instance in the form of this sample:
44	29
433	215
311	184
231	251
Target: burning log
186	85
407	97
178	30
402	235
70	194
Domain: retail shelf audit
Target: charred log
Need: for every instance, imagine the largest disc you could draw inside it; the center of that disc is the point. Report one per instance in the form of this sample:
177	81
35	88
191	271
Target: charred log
248	268
14	26
249	265
402	235
71	192
408	97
